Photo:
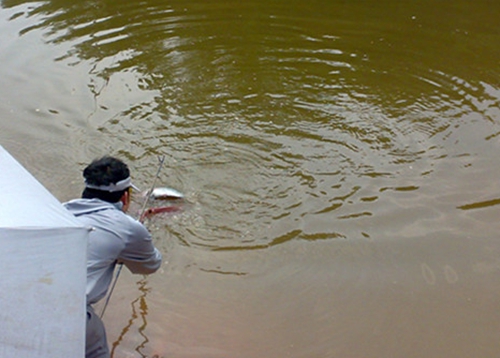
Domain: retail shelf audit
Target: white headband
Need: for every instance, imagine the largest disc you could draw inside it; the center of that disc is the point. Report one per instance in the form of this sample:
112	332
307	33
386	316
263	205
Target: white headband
118	186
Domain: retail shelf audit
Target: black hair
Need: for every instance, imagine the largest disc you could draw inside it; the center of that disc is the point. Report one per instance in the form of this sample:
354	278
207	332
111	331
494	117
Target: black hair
105	171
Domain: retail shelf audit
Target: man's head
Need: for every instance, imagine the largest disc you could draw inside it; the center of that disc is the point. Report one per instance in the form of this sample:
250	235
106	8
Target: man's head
108	179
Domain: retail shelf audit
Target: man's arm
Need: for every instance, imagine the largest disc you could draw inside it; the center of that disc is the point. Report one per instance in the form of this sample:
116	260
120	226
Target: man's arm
139	253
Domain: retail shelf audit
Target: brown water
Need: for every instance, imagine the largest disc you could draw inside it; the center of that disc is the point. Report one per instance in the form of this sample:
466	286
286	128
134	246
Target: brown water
340	159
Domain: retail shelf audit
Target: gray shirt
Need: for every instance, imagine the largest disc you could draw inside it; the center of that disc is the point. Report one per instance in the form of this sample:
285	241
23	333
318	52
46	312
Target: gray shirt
116	236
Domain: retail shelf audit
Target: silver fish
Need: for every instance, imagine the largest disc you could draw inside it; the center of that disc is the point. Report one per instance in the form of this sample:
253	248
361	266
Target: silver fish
166	194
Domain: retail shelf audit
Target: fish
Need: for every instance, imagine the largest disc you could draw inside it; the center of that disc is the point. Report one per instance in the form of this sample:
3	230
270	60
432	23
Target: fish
164	193
158	210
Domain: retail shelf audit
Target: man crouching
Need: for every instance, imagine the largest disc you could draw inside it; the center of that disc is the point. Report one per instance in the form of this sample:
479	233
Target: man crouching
116	238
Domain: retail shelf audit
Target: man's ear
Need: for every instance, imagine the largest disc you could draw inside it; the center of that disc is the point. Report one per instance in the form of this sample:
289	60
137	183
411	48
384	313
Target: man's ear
125	199
125	196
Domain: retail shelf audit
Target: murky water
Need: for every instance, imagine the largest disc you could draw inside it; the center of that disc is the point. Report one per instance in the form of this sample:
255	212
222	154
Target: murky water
339	160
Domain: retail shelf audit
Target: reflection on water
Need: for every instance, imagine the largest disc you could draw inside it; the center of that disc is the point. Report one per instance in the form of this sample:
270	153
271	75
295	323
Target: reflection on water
139	309
337	158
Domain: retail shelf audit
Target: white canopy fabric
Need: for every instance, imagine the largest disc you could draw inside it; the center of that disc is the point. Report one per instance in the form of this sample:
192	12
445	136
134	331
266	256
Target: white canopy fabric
43	261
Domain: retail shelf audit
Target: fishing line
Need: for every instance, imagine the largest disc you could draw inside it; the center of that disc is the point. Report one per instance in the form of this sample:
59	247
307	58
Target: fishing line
141	216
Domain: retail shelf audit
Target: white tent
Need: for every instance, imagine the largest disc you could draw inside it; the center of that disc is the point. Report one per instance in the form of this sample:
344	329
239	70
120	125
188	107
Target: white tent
42	260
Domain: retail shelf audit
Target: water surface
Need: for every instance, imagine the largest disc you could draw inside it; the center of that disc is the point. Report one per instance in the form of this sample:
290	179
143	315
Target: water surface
339	160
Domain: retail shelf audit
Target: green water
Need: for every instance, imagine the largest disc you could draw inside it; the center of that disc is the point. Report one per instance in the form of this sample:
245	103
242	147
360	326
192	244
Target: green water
339	159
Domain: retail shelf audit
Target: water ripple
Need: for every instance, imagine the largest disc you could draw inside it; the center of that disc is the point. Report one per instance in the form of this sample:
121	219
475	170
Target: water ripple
273	123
